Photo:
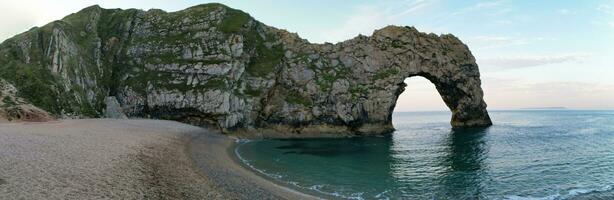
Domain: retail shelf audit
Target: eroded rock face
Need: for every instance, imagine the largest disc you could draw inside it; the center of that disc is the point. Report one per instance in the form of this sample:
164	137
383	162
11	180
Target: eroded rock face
113	109
211	64
14	108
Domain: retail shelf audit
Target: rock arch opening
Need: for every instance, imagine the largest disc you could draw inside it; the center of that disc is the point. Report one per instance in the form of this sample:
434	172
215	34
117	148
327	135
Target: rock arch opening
461	94
419	94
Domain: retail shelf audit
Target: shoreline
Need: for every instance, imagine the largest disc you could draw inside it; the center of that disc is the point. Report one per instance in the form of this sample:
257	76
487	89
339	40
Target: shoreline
252	184
126	159
287	186
279	183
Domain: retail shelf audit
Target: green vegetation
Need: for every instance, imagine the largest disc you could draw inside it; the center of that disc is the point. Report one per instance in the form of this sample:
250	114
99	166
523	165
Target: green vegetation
215	83
39	85
193	13
385	73
252	91
268	56
329	77
140	80
81	18
233	21
33	83
398	44
8	101
266	61
326	79
170	38
358	91
175	58
213	62
79	27
174	26
112	22
294	97
161	79
84	109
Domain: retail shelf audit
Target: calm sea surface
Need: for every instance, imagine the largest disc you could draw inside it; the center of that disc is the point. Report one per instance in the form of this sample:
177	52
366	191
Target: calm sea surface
564	154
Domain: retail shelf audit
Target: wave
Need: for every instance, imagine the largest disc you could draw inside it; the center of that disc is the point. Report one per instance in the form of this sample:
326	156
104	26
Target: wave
381	195
318	188
249	164
563	196
242	140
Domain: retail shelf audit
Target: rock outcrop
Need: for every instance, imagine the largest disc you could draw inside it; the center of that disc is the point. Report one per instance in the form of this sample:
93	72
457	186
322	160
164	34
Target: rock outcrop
14	108
211	64
113	109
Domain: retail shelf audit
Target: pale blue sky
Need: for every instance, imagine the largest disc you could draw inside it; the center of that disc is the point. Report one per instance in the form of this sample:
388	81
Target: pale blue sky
531	53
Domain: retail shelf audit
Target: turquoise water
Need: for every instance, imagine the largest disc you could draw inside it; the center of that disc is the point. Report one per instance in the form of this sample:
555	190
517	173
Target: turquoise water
561	154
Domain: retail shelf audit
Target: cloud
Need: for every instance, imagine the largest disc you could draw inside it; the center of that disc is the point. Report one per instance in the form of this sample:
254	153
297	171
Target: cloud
516	62
363	23
607	21
412	7
607	9
14	19
370	17
491	42
497	7
19	16
488	42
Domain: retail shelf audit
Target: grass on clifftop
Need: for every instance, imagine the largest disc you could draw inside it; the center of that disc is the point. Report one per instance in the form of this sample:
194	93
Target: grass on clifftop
234	21
267	56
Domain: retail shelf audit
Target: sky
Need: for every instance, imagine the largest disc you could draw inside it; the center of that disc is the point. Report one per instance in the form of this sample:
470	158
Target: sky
548	53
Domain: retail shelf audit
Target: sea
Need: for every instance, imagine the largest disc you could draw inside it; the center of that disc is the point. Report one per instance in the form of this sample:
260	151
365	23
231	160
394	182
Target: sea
526	154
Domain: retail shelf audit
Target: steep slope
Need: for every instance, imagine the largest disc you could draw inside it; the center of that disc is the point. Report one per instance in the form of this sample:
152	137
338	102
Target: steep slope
210	64
14	108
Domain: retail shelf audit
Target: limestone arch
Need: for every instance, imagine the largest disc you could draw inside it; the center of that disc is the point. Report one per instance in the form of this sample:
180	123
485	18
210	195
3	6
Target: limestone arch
460	91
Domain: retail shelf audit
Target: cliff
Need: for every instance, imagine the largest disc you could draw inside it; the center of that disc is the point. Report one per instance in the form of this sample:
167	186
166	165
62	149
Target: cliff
211	64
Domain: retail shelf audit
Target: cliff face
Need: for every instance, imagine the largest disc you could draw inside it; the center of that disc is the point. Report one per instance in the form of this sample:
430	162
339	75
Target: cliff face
211	64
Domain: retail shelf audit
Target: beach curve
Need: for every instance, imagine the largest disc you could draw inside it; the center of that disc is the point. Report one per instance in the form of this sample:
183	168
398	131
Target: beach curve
125	159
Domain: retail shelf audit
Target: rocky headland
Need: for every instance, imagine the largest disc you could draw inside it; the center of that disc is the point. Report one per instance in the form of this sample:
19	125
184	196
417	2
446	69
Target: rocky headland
211	64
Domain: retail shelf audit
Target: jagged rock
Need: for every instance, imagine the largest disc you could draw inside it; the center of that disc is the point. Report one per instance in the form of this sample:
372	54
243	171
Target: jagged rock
210	64
113	109
14	108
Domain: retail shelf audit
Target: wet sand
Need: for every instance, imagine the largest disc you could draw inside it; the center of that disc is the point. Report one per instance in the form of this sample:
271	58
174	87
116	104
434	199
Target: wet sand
125	159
